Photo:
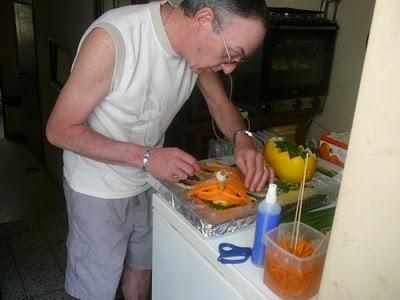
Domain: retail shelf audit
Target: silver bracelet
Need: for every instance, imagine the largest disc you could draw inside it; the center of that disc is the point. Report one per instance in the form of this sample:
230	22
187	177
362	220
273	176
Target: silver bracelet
146	158
245	131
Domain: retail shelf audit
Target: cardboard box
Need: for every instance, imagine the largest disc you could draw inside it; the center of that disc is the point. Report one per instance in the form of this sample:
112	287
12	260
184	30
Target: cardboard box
333	147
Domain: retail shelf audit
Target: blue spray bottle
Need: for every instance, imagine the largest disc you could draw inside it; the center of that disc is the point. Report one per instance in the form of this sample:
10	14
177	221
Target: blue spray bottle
268	214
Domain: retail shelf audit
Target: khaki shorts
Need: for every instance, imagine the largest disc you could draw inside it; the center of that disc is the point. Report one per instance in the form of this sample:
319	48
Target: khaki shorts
103	234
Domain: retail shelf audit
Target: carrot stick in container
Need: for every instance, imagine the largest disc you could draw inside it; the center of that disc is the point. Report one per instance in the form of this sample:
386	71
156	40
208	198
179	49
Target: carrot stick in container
293	272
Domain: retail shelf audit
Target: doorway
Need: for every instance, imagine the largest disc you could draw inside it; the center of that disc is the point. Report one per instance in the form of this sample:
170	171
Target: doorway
27	77
1	110
1	119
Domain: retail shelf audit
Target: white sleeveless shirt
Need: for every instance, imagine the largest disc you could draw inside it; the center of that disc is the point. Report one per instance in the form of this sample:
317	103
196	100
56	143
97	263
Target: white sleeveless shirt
150	84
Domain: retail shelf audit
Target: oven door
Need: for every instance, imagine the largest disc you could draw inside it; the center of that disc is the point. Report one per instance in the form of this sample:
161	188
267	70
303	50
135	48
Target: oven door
298	61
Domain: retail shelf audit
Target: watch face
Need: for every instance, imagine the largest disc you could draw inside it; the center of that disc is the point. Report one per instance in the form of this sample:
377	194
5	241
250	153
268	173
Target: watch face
175	3
244	131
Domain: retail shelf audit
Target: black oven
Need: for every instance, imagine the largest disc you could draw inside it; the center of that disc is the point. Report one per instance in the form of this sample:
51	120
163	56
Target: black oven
292	70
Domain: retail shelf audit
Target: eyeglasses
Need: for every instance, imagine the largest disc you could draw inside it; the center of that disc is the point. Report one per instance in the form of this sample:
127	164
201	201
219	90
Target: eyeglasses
230	61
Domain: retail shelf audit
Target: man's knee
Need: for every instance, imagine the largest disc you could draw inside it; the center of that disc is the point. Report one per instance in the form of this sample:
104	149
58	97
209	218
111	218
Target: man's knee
136	283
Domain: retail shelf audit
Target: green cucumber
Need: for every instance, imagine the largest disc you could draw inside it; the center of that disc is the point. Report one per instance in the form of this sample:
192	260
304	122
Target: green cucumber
321	220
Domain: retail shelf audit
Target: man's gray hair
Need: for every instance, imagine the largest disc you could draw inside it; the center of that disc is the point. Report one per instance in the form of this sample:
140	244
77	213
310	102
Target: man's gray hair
224	9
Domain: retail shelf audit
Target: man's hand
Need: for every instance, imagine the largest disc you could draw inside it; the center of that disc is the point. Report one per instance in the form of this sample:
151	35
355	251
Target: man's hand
252	164
171	164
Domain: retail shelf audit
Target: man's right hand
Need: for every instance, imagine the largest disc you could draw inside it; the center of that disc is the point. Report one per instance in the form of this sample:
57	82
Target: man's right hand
171	164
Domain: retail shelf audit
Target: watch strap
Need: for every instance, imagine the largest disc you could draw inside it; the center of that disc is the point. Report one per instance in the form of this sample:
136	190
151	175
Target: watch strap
146	158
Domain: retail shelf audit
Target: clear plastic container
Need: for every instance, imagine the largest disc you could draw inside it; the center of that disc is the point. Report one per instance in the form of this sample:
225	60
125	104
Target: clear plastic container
215	149
290	276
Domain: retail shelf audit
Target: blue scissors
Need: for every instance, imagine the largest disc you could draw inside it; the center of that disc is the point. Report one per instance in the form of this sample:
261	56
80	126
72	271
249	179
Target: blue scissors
231	254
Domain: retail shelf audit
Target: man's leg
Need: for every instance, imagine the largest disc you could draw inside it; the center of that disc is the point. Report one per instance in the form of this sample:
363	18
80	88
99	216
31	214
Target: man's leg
137	274
99	231
136	283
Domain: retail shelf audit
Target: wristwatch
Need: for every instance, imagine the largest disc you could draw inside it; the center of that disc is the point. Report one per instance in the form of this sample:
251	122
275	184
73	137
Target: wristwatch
242	130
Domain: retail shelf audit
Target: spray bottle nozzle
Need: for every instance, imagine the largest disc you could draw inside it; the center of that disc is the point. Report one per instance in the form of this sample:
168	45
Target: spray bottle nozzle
271	193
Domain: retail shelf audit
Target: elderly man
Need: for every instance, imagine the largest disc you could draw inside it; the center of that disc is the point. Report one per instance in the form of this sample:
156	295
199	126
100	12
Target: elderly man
134	69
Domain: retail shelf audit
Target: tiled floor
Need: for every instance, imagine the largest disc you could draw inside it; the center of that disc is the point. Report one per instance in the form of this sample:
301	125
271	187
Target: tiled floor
33	257
33	227
25	187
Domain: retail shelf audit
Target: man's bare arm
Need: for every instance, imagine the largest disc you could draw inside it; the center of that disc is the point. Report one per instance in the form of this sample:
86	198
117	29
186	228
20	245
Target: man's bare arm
89	82
229	119
221	108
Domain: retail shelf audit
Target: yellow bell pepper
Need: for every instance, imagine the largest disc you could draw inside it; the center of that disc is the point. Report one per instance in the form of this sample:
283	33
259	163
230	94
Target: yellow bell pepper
286	168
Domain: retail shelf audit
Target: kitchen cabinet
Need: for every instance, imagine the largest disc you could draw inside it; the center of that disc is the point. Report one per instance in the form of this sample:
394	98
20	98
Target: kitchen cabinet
185	263
173	256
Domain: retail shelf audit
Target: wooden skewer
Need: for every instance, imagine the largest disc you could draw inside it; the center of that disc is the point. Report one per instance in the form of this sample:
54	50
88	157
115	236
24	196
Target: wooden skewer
297	218
301	200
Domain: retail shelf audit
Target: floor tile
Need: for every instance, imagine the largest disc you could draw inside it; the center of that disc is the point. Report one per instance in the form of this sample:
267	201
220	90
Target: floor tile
8	269
59	295
53	217
60	252
12	289
27	241
25	193
56	233
4	248
31	223
35	260
43	283
11	228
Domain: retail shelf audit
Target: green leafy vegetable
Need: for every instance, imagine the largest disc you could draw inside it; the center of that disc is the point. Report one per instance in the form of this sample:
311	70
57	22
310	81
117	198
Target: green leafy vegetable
218	206
194	177
284	187
326	172
321	220
256	197
291	148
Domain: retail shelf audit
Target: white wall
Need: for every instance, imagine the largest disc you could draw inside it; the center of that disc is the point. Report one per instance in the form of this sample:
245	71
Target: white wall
354	20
